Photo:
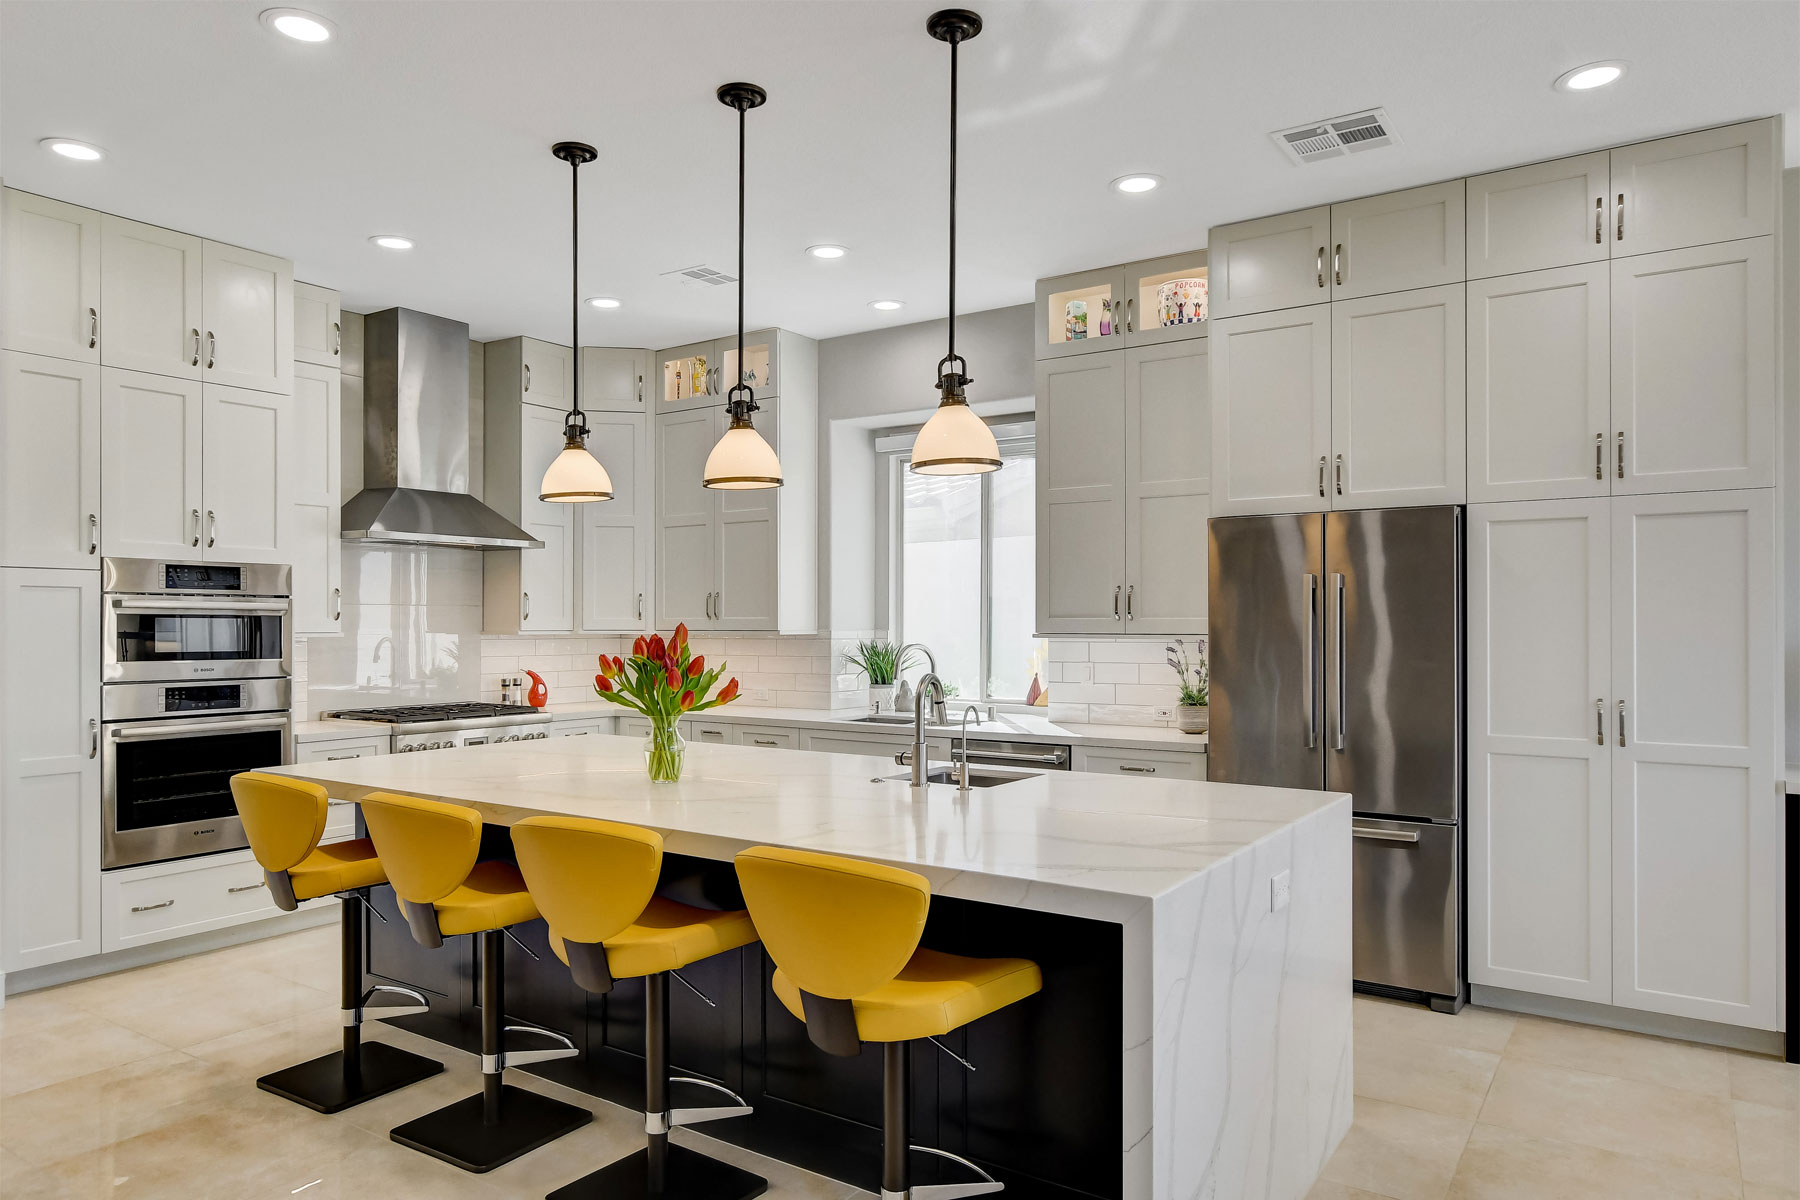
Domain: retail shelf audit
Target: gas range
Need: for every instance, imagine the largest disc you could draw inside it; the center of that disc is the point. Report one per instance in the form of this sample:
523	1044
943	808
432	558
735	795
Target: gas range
446	726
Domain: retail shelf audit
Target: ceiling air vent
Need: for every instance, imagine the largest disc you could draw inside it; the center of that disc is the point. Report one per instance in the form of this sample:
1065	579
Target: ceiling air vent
700	276
1350	134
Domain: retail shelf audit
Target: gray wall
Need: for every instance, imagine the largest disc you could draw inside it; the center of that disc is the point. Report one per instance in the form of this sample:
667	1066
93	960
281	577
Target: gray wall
1790	475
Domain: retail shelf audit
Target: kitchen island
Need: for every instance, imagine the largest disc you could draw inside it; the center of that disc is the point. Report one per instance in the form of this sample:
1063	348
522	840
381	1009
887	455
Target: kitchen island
1193	1037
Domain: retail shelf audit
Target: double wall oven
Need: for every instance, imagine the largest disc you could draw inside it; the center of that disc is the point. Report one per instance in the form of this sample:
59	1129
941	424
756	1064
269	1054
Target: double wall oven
196	665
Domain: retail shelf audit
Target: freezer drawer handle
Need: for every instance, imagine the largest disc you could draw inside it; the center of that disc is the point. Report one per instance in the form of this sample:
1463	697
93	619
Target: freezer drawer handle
1342	687
1384	835
1312	624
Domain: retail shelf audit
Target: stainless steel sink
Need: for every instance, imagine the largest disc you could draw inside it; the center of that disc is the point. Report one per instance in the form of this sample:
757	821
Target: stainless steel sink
979	777
883	719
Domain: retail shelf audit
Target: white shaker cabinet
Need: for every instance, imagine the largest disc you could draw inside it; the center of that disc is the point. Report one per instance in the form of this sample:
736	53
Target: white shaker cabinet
536	372
1397	241
748	584
245	436
526	591
49	462
1693	368
1168	481
1271	411
318	326
1712	186
615	535
52	277
311	537
1398	399
151	486
151	298
1270	263
1548	214
248	301
1539	380
686	519
1696	819
1081	498
49	766
615	380
1540	720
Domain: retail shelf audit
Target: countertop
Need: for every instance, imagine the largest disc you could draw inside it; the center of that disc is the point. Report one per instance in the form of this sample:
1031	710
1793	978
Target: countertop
1060	841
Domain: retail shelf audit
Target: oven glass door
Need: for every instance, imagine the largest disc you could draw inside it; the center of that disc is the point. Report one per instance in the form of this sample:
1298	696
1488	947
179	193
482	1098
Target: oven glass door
168	784
155	638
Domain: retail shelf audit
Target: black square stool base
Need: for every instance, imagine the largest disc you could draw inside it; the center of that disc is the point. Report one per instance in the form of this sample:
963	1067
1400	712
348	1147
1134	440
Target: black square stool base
457	1134
689	1175
326	1085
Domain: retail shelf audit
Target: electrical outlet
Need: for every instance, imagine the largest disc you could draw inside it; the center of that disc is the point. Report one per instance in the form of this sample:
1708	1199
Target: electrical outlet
1165	714
1279	891
760	695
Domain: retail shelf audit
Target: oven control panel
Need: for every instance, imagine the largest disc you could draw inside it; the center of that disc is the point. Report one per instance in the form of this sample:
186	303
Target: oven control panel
202	577
204	697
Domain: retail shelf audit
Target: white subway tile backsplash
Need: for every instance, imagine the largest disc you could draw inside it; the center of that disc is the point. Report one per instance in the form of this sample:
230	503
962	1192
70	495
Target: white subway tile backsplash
1115	672
1114	681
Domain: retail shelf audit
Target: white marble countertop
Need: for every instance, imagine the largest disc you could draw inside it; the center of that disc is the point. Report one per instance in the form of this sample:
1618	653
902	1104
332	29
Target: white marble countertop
1095	844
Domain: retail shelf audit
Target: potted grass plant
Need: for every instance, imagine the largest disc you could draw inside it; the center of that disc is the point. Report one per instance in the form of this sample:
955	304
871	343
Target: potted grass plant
883	663
664	681
1191	713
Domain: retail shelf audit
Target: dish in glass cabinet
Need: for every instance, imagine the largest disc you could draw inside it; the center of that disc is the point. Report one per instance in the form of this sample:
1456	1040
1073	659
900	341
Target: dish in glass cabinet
1075	320
1181	301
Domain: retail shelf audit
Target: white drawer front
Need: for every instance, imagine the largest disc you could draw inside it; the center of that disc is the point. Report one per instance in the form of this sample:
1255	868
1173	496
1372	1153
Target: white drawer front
598	727
340	822
1145	764
183	900
333	750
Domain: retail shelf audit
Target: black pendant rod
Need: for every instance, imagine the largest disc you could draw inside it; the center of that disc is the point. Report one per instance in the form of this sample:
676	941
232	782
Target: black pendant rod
743	97
954	42
956	26
575	153
742	121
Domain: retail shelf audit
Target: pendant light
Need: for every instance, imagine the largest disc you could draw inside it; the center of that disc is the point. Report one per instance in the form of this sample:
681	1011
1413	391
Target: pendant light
955	441
575	476
743	460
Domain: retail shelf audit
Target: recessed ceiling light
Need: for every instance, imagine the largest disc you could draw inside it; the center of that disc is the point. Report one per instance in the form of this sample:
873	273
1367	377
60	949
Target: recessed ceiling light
827	251
1590	76
392	241
887	305
69	148
301	26
1133	184
603	301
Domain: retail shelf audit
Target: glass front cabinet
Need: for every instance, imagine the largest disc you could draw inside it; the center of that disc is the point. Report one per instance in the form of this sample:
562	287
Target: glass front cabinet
701	373
1139	304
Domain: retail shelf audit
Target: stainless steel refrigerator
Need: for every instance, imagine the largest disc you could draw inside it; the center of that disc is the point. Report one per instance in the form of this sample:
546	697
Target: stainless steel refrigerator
1336	647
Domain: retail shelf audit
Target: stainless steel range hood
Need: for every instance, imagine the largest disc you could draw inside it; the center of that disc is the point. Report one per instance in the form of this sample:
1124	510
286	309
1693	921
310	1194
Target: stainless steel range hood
416	441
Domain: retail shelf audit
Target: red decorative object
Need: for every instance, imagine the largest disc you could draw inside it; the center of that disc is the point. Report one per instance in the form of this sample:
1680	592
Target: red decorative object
540	691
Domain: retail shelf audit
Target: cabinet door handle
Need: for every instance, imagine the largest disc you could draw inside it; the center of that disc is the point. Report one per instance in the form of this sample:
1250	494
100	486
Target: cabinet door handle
337	604
1130	314
138	908
196	359
337	337
1621	722
1338	474
244	887
93	329
1600	722
1337	269
1599	218
640	391
212	349
1599	456
93	534
212	528
640	606
1135	769
528	377
1620	234
1321	476
1621	454
525	606
719	597
196	527
1128	591
1116	591
93	738
1319	266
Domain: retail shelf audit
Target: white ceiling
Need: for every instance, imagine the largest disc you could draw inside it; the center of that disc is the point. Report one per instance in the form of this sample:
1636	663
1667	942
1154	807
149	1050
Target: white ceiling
434	120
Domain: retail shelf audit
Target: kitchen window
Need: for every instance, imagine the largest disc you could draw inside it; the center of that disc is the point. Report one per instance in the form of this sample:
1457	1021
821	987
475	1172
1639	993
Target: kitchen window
963	568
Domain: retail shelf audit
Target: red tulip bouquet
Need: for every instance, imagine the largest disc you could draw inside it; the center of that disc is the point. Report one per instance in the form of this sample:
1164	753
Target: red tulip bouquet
663	681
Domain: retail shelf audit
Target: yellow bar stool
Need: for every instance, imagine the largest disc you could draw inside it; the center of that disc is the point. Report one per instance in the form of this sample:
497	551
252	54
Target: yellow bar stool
284	820
844	935
595	882
430	849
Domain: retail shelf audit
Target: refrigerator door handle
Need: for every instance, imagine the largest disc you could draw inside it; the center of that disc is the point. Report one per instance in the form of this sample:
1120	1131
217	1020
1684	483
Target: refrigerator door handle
1312	641
1337	582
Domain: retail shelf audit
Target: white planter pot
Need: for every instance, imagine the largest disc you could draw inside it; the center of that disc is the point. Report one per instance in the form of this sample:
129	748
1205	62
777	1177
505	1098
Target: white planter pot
1191	718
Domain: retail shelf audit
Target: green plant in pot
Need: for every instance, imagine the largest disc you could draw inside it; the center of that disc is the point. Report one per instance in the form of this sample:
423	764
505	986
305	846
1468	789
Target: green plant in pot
664	681
1190	710
883	662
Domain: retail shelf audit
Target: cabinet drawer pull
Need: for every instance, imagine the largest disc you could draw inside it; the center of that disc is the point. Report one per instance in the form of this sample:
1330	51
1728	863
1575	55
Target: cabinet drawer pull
1319	266
339	758
1337	270
528	377
196	359
248	887
1620	235
1599	218
1600	722
93	534
93	329
212	349
337	337
763	742
1137	769
138	908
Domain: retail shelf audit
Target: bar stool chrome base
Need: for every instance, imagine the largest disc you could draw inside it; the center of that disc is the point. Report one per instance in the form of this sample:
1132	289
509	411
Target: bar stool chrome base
461	1135
335	1081
687	1175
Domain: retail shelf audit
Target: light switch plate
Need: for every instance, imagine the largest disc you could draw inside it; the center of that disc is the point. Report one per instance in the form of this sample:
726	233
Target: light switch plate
759	695
1279	890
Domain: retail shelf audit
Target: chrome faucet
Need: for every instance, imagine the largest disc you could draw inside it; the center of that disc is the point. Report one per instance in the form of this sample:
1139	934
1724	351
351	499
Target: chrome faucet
921	647
962	777
921	763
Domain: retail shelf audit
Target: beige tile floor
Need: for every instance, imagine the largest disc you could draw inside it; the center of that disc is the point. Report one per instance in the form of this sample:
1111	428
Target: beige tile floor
141	1085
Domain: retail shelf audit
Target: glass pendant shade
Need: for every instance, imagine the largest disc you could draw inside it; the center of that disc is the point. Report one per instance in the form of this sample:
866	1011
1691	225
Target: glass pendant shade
955	442
575	477
742	461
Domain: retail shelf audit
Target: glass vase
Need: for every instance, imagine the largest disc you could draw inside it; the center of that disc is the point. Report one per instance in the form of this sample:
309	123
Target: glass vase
664	750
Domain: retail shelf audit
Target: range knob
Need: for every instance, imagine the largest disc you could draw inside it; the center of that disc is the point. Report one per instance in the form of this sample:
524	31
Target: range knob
407	749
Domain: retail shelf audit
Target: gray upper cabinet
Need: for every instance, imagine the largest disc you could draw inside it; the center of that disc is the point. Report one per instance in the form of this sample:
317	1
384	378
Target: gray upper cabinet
1549	214
689	376
1081	313
52	278
1168	485
1271	263
318	326
1713	186
614	380
1397	241
1081	495
1166	299
530	371
150	292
